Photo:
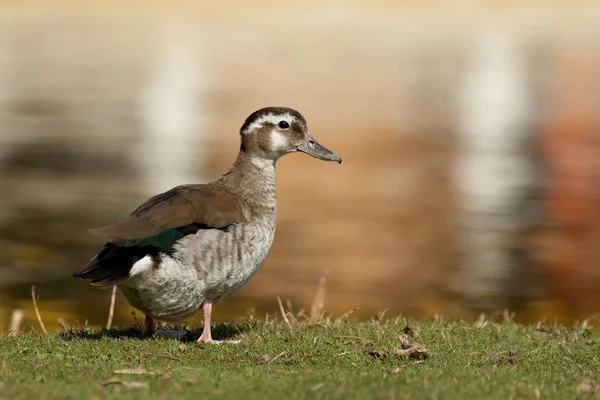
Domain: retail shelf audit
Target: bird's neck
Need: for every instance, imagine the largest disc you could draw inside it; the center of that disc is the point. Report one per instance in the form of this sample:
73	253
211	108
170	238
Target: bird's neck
253	179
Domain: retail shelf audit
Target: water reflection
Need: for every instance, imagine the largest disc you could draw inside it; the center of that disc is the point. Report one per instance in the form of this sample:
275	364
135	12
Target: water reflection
470	176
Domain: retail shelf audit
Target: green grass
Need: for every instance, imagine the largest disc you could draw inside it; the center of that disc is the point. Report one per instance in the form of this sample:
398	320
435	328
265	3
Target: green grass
329	360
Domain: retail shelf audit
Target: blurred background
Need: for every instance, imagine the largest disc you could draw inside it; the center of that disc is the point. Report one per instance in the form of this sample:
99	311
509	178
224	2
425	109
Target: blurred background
469	133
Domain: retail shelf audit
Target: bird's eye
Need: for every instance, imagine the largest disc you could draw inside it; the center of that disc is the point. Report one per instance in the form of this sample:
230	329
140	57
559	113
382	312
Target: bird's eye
284	124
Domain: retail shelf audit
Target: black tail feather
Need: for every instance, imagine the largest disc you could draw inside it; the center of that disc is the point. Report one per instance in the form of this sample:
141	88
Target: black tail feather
113	263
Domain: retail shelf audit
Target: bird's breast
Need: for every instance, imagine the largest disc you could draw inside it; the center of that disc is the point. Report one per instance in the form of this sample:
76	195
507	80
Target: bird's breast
226	259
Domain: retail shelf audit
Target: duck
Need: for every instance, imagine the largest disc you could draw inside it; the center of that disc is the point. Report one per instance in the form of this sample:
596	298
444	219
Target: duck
195	245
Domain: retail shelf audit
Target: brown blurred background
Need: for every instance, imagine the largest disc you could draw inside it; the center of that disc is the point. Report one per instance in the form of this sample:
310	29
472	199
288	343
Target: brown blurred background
469	132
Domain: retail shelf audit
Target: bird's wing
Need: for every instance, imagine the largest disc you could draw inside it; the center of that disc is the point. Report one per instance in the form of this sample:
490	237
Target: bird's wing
180	206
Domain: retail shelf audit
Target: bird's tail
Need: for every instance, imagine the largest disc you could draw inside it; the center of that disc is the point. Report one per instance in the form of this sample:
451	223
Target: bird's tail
113	263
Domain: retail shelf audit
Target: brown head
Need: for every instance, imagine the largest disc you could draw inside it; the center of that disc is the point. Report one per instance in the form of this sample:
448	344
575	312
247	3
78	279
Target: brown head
272	132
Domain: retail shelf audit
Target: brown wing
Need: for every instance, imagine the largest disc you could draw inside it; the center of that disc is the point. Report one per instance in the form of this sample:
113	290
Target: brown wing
180	206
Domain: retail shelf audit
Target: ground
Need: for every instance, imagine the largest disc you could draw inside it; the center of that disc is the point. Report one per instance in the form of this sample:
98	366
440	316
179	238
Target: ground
330	359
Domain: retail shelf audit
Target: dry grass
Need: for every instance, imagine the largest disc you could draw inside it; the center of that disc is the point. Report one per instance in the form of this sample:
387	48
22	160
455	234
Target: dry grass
37	310
111	309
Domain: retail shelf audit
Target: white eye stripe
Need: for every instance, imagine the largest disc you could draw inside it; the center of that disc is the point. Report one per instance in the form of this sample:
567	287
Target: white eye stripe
269	118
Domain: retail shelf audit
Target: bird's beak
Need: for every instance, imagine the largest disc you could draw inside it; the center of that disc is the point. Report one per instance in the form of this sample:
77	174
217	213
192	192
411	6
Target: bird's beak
313	148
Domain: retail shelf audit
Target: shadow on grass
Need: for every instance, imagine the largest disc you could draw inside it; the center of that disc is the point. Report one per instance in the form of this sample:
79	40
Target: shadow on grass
219	332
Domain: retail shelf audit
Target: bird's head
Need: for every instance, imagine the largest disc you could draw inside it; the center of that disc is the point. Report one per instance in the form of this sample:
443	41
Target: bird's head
272	132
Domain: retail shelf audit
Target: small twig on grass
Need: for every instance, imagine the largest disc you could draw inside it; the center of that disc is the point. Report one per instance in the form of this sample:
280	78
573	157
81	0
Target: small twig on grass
290	309
16	320
318	304
447	340
134	371
63	323
347	314
508	316
37	310
585	323
276	357
349	337
111	310
481	322
162	356
283	313
318	386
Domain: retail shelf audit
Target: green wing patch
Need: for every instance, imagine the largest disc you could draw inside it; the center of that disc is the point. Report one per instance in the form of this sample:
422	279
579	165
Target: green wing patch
163	241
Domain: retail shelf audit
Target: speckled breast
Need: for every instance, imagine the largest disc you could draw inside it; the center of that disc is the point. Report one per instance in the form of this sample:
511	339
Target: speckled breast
228	267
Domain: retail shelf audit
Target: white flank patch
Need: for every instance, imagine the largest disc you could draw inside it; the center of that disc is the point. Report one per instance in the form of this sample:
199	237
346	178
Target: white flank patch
278	141
142	266
270	118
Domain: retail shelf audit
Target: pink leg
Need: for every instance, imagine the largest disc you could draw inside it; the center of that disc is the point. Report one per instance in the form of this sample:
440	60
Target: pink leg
206	336
149	328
